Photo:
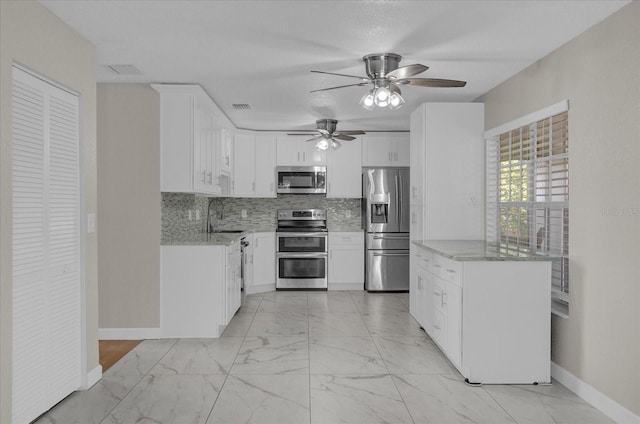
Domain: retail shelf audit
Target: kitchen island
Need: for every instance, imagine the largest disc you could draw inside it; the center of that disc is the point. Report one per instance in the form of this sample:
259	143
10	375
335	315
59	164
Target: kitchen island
487	308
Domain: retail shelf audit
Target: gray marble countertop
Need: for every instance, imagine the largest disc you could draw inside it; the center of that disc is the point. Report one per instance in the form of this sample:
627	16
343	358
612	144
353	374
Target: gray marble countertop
477	250
203	239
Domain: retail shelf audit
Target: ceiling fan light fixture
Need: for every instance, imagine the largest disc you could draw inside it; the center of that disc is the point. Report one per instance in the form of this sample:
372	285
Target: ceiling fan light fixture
322	144
367	101
395	101
381	98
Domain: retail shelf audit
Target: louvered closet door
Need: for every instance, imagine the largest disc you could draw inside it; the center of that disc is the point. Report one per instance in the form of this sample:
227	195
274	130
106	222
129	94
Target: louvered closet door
46	246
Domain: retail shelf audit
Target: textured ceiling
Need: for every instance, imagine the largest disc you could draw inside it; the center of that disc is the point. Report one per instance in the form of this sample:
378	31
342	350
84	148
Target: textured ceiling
261	52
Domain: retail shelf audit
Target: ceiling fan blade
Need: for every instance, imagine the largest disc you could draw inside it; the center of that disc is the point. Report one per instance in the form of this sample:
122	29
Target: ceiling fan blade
316	138
431	82
340	86
406	71
303	133
323	131
351	132
343	137
343	75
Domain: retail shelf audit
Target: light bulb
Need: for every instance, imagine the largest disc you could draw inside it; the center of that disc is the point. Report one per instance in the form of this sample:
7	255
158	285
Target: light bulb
322	144
335	144
395	101
382	97
367	101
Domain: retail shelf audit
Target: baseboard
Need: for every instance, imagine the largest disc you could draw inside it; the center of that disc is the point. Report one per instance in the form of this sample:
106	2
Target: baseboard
129	333
597	399
346	286
91	378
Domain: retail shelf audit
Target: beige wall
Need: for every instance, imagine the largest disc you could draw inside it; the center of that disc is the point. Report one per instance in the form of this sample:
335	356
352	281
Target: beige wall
129	206
32	36
599	72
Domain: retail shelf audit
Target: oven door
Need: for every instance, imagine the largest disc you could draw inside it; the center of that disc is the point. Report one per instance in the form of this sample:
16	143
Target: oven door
301	242
302	271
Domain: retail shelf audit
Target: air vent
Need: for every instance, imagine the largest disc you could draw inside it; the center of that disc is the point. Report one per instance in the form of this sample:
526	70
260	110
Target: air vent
125	69
241	106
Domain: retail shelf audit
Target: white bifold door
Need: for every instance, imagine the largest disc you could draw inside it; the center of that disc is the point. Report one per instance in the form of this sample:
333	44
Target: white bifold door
46	260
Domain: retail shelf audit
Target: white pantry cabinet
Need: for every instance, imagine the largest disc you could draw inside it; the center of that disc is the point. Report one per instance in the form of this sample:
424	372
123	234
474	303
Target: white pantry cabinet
385	149
344	170
195	141
254	165
447	162
490	316
295	151
346	260
200	289
261	263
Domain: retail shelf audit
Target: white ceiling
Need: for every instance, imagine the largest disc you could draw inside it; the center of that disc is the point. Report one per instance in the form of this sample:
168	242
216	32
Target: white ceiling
261	52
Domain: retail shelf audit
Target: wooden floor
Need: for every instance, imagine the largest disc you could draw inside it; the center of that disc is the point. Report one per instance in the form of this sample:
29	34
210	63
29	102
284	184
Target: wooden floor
111	351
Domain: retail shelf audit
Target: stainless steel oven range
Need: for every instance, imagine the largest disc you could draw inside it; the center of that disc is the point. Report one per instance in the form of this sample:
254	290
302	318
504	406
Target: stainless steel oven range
301	249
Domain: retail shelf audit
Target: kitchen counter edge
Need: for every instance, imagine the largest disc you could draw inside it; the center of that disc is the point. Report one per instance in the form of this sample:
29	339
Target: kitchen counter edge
478	250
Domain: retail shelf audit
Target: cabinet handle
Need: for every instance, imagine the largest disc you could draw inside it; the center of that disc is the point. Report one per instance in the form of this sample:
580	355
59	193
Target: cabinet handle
443	299
204	177
253	186
390	157
271	187
304	156
437	293
437	327
437	266
451	271
298	156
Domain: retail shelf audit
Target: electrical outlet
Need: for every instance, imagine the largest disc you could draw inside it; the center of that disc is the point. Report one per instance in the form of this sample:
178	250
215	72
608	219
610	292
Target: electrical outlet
347	214
197	214
190	215
243	213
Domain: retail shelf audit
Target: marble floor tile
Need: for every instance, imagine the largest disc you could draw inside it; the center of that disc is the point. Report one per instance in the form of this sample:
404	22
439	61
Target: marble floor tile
447	399
552	404
340	302
263	399
404	298
336	324
283	303
412	355
378	302
345	355
251	303
91	406
184	399
356	399
273	355
279	324
142	358
392	324
239	325
200	356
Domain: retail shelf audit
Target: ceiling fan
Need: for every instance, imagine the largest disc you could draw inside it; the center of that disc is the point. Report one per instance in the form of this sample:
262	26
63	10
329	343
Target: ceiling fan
326	134
384	73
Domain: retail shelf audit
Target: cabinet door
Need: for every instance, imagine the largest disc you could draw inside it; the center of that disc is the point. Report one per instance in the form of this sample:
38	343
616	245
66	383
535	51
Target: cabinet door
226	150
417	159
232	288
346	258
311	156
295	151
205	176
416	284
176	142
264	262
344	169
244	166
376	151
401	150
265	166
416	219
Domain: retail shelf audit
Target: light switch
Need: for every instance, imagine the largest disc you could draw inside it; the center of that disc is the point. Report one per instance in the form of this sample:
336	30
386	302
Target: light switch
243	213
91	223
190	215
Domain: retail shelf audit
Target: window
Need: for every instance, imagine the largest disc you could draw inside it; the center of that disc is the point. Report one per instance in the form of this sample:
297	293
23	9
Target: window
528	194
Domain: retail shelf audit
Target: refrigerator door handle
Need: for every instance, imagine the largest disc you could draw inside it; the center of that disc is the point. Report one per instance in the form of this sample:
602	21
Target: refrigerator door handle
390	254
400	200
390	237
398	211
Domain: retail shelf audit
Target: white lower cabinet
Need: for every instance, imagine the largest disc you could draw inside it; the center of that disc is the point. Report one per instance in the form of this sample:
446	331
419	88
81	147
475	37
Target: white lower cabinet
200	289
260	270
491	318
346	260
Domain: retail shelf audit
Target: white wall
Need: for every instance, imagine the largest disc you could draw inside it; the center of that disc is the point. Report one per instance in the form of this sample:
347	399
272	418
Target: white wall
32	36
599	72
129	206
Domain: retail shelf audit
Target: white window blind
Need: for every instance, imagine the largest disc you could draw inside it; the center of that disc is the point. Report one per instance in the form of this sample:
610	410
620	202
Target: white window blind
46	316
528	195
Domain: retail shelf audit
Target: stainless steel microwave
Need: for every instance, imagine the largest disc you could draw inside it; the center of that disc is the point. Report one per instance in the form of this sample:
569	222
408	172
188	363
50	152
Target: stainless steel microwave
301	179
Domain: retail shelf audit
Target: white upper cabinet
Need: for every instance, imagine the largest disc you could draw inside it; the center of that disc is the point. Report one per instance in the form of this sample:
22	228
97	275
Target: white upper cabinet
254	165
447	162
344	170
196	142
385	149
295	151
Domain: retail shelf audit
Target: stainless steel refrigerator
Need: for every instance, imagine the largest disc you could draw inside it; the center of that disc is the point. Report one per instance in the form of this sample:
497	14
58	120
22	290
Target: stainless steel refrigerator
385	217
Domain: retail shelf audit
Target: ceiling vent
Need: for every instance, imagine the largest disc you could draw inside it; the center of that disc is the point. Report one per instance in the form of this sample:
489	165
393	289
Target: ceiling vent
125	69
241	106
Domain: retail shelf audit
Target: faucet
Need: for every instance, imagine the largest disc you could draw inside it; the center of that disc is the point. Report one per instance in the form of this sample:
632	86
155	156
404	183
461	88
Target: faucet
210	215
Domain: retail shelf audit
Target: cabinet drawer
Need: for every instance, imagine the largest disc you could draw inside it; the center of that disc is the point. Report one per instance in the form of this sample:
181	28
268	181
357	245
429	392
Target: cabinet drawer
452	271
437	265
346	238
423	259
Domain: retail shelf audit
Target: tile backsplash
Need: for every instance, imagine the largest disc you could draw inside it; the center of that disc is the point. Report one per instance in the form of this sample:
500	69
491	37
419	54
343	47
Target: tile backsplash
260	212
